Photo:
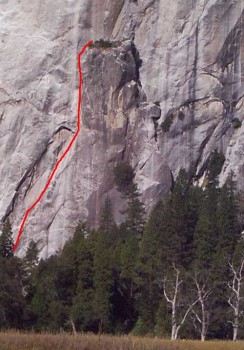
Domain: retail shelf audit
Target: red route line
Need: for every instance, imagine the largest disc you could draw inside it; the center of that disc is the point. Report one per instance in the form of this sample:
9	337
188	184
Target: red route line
65	152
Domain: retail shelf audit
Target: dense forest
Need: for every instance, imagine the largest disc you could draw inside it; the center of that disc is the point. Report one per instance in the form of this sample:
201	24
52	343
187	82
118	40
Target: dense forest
177	274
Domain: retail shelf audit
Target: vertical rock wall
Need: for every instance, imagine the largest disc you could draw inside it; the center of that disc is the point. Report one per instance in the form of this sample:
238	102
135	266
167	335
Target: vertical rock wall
183	102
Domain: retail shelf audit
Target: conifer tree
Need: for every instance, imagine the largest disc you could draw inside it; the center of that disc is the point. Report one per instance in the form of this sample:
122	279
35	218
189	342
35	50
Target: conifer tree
123	176
6	241
128	278
151	267
106	216
227	216
178	209
12	301
67	271
42	306
179	217
107	223
31	256
135	213
81	313
102	280
206	232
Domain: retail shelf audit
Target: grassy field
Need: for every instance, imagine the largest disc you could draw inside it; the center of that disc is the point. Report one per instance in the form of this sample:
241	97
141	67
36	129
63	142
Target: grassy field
20	341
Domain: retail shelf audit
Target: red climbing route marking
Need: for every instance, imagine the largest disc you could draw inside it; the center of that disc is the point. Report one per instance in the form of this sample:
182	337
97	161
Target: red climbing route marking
65	152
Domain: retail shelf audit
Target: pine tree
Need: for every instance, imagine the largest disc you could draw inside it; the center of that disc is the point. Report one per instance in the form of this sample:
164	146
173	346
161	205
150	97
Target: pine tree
150	268
107	223
216	162
179	217
206	232
135	213
128	278
123	177
106	216
81	313
30	264
6	241
45	296
12	300
102	280
227	215
31	256
179	221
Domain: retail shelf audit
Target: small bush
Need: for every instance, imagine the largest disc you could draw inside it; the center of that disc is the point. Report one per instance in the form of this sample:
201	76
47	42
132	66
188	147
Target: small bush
215	164
123	176
104	44
140	328
136	54
236	123
166	124
181	115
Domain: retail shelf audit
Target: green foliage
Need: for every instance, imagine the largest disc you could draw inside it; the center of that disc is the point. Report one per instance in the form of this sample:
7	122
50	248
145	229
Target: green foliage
103	280
81	310
123	176
166	124
140	328
206	231
6	240
136	54
31	256
104	44
13	308
113	279
162	321
107	224
227	216
236	123
134	222
44	294
215	165
150	268
12	301
181	115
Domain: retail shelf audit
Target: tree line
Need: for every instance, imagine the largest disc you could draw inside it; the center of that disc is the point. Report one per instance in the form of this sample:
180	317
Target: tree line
177	274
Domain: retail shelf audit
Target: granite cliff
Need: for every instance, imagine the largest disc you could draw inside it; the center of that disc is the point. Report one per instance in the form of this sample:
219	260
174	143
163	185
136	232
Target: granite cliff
163	90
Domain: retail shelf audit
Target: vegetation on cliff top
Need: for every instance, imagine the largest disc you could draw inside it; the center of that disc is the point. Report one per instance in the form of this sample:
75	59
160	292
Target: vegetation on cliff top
104	44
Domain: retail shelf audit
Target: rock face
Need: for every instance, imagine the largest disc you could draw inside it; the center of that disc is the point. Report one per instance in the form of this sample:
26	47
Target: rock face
164	95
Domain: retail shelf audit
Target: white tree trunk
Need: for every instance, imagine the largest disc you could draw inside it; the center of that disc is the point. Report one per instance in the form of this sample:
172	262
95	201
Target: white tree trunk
203	318
235	297
236	322
172	299
203	330
235	331
174	332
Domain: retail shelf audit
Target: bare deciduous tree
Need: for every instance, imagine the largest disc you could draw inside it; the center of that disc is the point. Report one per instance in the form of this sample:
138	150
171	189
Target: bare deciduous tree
172	291
235	297
202	316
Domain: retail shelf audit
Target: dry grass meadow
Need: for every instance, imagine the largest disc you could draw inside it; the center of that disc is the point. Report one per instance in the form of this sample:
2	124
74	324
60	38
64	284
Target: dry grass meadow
31	341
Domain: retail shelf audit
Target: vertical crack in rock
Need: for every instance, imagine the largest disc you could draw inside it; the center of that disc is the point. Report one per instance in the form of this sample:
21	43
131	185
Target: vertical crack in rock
31	172
28	174
231	47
